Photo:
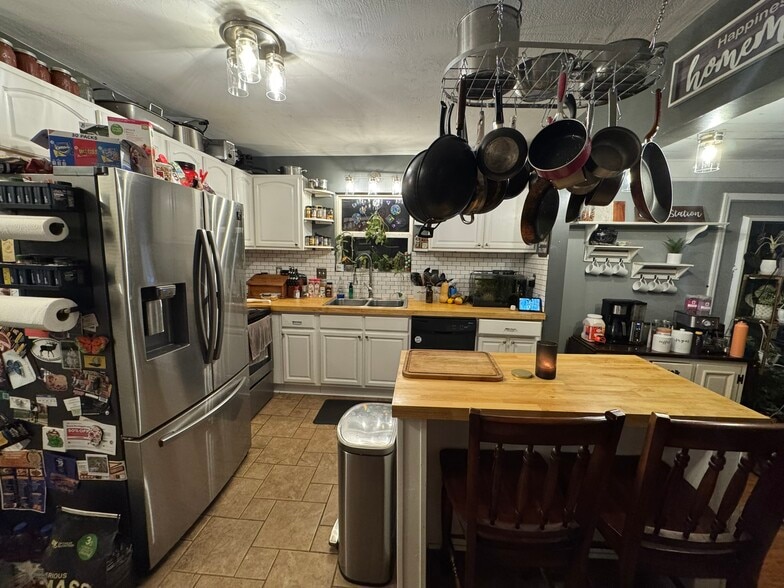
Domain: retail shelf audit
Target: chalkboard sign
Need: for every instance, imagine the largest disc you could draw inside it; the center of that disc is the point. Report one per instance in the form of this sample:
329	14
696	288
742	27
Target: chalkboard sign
355	213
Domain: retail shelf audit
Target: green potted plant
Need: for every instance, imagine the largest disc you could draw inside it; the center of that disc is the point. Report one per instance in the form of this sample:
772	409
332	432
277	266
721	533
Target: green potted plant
770	249
376	229
675	249
762	301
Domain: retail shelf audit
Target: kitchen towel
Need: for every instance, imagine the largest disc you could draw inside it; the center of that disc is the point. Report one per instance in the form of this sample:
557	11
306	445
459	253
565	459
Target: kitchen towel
30	312
32	228
259	336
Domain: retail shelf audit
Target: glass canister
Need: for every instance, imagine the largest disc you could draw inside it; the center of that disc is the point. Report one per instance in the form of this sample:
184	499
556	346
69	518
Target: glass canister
85	89
61	78
43	72
27	61
319	211
7	54
330	214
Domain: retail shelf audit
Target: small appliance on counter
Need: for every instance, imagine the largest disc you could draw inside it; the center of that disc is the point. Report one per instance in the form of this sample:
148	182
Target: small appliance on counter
624	321
708	332
499	288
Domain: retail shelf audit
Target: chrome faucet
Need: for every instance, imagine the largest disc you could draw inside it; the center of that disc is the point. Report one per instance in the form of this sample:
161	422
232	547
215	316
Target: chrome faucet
370	269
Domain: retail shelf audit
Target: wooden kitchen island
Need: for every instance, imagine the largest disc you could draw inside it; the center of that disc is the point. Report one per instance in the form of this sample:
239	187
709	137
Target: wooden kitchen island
433	414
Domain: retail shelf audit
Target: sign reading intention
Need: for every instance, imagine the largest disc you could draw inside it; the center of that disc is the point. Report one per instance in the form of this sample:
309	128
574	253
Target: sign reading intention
747	38
686	214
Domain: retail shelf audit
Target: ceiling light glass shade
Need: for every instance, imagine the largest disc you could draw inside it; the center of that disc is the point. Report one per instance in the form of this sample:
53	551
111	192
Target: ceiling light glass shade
374	182
276	77
247	49
237	86
396	186
709	147
349	185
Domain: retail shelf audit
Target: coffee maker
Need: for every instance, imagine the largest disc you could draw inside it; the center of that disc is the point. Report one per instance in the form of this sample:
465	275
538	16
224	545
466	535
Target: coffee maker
624	320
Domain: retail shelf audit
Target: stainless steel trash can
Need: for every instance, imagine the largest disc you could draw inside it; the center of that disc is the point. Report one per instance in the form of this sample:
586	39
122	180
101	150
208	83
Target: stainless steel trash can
366	493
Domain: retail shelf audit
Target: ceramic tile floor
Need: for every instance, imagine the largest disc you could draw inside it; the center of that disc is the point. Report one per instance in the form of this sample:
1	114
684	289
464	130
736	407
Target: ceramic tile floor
270	526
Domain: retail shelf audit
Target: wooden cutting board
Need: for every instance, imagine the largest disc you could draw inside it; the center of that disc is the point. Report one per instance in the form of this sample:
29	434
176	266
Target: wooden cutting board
451	365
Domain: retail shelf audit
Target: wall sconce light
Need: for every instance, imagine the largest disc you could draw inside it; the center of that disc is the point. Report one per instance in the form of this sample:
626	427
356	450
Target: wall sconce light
349	185
374	182
248	39
396	186
709	147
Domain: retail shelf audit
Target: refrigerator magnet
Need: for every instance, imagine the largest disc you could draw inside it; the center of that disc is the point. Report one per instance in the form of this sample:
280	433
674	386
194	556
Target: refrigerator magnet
18	369
54	382
46	350
92	345
73	405
70	355
93	384
53	439
97	466
94	362
89	323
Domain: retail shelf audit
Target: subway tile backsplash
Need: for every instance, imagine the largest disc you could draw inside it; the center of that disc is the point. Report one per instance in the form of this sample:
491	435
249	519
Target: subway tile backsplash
456	265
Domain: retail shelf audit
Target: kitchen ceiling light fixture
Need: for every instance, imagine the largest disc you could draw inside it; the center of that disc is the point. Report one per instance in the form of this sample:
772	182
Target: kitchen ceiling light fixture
249	39
396	186
237	86
709	146
349	185
374	182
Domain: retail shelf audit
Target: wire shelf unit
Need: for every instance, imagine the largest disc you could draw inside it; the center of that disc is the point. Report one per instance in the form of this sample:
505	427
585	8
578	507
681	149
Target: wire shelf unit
527	72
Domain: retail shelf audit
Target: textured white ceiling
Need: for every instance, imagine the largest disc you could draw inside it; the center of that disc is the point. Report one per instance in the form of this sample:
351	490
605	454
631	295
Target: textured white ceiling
363	78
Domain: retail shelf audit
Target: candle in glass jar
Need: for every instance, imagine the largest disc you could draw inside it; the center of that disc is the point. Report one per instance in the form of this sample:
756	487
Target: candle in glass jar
546	359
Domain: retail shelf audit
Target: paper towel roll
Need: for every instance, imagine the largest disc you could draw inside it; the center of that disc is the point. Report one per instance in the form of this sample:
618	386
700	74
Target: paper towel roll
32	228
31	312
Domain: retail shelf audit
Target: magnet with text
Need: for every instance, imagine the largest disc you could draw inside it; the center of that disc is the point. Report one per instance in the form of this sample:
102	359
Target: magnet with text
62	473
93	384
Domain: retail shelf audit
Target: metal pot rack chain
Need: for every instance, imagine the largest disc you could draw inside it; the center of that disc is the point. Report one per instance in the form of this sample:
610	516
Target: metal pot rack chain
528	72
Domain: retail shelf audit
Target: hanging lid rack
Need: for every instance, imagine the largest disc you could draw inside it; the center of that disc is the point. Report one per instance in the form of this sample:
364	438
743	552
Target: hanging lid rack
631	65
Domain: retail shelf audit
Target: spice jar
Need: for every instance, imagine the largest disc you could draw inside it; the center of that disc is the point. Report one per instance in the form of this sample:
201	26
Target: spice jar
330	214
308	212
43	72
26	61
61	78
7	54
319	212
74	87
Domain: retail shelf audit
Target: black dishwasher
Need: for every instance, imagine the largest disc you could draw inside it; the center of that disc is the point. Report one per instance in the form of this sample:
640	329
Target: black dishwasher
429	332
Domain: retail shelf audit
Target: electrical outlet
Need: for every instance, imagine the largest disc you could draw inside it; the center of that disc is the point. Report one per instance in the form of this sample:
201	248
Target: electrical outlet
321	273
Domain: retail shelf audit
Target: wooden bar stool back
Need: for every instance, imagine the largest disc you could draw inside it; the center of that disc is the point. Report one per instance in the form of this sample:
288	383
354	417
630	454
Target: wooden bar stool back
657	521
520	507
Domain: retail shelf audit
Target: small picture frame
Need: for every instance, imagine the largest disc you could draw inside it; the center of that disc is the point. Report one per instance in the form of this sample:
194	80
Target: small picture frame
71	359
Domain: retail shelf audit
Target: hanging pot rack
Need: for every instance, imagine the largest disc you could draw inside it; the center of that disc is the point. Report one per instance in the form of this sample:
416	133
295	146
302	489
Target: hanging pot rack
528	71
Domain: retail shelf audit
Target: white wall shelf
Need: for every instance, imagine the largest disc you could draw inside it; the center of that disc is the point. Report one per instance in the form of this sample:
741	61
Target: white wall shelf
665	270
692	228
320	221
317	193
625	252
319	247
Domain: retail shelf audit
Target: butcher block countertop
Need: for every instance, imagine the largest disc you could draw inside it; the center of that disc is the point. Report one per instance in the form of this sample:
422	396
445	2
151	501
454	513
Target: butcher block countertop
414	308
585	384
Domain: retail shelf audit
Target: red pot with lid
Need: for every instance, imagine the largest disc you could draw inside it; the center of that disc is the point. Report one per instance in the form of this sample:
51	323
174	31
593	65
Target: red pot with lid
43	71
27	61
7	54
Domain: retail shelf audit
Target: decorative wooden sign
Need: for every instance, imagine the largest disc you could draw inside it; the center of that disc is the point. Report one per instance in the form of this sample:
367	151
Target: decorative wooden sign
687	214
747	38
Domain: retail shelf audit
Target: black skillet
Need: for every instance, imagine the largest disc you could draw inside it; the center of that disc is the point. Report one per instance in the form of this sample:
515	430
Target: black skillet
651	183
503	151
539	211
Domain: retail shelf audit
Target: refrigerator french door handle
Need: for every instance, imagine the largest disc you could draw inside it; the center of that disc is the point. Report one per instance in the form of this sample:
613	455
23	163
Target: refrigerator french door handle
212	285
198	292
220	297
173	435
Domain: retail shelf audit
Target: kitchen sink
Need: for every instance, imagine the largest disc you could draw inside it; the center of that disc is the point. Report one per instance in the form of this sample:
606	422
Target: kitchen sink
347	302
388	303
367	302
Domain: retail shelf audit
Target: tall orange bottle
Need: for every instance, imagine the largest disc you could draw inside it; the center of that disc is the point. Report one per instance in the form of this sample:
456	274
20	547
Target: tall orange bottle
739	334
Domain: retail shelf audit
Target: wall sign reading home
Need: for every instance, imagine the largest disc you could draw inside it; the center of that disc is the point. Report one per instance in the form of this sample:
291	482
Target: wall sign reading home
747	38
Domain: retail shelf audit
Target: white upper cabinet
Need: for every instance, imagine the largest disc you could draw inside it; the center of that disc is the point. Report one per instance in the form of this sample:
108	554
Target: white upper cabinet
28	105
243	193
498	230
219	176
179	152
278	212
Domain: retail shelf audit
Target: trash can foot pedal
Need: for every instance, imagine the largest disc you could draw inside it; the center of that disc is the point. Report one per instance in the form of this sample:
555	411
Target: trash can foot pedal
334	536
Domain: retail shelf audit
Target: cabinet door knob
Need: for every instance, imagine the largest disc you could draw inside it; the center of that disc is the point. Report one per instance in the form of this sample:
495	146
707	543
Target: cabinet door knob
359	337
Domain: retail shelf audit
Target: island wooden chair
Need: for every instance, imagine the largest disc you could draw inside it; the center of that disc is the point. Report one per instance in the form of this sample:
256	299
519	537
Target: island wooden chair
658	522
519	508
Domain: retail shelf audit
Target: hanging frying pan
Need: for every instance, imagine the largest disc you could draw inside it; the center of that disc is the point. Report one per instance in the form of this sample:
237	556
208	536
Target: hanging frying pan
539	211
489	193
614	149
606	188
651	183
560	149
503	151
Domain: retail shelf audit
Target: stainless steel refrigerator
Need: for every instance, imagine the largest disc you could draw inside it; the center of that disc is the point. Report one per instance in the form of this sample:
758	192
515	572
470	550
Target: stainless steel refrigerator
173	272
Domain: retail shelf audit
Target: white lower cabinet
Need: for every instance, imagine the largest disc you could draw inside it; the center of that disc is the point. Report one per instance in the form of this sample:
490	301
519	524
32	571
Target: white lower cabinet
723	377
382	357
300	349
341	357
500	336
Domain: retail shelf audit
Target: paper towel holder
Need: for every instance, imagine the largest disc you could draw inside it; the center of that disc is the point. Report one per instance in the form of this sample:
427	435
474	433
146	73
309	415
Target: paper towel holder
64	313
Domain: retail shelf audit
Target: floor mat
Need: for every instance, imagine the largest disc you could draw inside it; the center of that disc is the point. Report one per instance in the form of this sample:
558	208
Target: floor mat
333	409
